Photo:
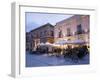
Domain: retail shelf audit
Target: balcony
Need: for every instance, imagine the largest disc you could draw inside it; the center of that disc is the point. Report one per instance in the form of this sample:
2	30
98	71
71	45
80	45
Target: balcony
80	32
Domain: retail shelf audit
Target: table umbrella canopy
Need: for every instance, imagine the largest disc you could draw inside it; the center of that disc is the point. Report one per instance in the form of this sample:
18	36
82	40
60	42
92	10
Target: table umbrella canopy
41	44
62	42
78	41
45	44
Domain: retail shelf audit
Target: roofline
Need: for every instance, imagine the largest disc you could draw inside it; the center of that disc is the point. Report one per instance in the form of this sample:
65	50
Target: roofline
41	26
69	18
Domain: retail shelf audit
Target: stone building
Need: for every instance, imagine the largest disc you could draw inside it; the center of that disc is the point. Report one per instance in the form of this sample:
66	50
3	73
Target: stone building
42	34
28	41
73	28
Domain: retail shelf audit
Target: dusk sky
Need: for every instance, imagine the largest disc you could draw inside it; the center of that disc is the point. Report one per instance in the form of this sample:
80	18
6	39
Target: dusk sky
34	20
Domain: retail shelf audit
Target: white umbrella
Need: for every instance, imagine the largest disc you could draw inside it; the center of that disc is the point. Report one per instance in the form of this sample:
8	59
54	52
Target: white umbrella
47	43
41	44
78	42
61	42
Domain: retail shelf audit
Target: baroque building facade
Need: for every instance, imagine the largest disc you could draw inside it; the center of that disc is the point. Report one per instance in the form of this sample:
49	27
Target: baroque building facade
72	29
42	34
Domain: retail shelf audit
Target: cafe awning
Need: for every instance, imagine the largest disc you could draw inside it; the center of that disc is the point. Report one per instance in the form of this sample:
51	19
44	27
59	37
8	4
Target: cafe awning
62	42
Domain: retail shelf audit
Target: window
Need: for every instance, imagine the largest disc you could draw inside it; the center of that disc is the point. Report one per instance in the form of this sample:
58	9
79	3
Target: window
45	33
68	32
41	34
52	33
60	34
37	35
79	29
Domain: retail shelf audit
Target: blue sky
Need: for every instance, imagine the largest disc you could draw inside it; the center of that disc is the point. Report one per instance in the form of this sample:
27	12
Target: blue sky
34	20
